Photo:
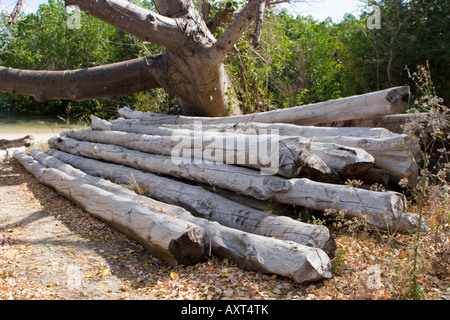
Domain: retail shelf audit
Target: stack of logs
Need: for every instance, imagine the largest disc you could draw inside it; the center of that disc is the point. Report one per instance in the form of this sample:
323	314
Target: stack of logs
197	192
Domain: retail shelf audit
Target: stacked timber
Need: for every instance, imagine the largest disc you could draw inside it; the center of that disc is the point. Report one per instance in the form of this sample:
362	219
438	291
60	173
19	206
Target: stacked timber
187	170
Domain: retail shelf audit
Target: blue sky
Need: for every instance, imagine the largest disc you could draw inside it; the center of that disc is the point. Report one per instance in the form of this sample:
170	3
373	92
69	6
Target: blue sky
320	9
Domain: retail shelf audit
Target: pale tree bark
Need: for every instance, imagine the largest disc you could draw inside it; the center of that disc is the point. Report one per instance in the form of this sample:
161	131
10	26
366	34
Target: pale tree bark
139	218
391	151
197	200
290	157
384	210
369	105
191	66
169	238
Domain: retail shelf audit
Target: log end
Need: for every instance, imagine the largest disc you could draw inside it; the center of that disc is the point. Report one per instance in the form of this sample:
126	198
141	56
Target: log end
317	267
407	223
192	247
397	98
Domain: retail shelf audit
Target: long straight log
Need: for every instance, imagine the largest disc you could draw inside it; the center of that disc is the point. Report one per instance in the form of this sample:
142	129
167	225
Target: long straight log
369	105
383	210
389	150
272	154
268	255
285	129
206	204
167	238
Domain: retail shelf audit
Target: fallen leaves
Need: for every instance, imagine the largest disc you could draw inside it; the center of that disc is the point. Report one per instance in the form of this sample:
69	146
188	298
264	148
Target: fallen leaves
109	266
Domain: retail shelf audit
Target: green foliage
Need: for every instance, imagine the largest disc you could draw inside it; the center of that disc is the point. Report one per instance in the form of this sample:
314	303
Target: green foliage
43	41
296	63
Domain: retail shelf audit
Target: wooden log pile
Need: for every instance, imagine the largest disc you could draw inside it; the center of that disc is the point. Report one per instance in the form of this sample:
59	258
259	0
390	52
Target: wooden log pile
186	168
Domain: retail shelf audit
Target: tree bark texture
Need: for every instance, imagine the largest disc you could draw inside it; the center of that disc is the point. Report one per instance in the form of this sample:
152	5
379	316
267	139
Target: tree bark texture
369	105
9	153
249	251
168	238
390	151
381	209
190	67
285	156
205	204
393	123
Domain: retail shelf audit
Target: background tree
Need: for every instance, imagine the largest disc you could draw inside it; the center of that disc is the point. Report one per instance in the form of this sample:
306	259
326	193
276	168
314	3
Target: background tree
298	59
191	65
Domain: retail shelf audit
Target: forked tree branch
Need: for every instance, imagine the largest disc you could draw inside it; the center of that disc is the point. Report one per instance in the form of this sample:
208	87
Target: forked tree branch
142	23
225	44
174	8
223	17
108	81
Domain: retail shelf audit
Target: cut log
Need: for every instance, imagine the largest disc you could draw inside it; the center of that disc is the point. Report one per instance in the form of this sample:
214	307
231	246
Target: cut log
9	153
171	239
249	251
272	154
390	151
346	161
369	105
380	209
207	204
8	144
285	129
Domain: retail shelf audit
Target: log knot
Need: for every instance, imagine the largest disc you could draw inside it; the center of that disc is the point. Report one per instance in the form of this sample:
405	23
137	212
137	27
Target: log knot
276	184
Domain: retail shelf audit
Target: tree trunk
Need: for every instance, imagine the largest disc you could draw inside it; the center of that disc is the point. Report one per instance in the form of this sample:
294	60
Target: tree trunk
370	105
347	161
168	238
206	204
190	67
272	154
390	151
249	251
381	209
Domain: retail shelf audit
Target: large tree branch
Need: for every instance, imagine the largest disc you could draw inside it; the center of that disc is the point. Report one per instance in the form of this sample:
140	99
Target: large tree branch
142	23
107	82
223	17
174	8
225	44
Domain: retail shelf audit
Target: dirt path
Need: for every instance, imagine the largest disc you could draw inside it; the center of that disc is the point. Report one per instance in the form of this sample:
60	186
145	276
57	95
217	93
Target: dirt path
51	249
